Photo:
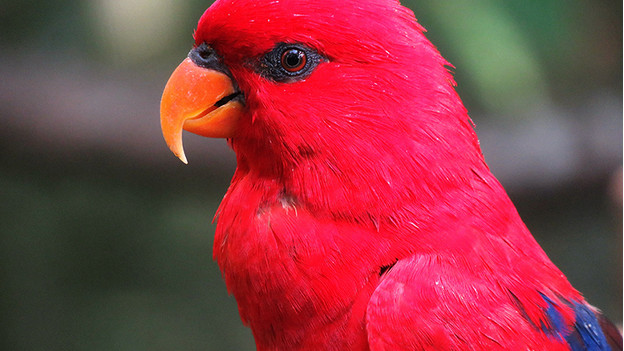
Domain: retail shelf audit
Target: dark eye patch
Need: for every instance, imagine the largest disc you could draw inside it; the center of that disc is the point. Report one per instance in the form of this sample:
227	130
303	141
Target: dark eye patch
287	63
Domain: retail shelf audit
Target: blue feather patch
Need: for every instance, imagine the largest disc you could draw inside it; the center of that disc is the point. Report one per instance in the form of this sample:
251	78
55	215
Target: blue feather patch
588	330
556	325
587	334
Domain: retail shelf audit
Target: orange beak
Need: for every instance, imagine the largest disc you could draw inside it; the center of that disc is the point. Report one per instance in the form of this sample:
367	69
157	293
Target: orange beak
198	100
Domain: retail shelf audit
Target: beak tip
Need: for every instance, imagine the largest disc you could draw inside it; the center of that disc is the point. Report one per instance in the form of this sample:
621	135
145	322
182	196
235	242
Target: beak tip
181	156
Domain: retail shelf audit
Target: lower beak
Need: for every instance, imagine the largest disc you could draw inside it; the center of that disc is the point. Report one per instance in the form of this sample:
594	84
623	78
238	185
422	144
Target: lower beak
200	100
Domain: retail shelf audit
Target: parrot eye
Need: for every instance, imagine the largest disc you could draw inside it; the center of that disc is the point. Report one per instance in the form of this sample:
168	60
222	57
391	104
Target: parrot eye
293	60
289	63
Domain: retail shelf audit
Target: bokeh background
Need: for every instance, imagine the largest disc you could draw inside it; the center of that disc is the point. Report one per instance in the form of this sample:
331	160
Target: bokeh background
106	238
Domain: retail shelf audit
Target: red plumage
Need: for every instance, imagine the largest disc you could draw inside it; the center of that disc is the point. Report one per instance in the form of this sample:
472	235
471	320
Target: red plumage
362	214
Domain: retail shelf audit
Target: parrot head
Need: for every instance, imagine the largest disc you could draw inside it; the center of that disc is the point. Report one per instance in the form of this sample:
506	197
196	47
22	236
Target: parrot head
327	97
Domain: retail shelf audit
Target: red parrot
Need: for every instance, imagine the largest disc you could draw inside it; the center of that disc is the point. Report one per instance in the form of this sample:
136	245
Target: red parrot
362	215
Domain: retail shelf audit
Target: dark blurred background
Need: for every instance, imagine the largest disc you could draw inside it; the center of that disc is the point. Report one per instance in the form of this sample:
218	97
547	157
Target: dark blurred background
106	237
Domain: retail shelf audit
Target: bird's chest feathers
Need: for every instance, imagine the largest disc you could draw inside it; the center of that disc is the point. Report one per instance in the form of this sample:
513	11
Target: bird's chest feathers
286	267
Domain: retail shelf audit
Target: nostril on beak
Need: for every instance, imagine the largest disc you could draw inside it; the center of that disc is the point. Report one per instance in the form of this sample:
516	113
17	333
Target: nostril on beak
204	56
204	51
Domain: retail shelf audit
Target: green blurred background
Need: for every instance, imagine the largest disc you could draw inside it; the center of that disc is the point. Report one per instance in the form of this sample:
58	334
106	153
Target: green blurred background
106	237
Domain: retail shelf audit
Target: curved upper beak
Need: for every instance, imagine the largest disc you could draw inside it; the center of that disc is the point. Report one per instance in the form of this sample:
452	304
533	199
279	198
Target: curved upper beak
200	100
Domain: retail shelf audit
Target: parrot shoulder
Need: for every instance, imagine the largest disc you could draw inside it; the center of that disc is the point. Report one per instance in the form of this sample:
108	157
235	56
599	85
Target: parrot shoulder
431	301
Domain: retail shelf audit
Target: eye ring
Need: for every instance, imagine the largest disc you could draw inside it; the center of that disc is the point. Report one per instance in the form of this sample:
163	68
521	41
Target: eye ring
293	60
